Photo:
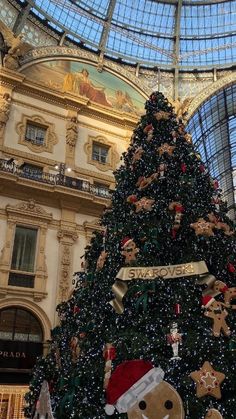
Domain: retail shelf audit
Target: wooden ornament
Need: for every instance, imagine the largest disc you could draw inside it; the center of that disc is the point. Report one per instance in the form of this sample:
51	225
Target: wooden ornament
208	381
213	414
160	403
144	204
166	148
203	227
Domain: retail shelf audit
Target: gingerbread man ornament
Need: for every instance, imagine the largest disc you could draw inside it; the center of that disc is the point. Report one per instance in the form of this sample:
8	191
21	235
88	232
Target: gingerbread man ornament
137	388
213	414
129	250
216	311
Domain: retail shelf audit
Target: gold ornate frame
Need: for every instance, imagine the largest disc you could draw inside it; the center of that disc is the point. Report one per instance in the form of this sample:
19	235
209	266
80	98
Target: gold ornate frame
113	156
50	138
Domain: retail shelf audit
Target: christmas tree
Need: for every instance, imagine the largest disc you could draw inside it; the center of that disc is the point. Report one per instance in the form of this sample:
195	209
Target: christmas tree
149	331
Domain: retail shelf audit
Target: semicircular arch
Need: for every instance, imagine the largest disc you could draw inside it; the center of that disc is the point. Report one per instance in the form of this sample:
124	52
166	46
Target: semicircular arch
34	309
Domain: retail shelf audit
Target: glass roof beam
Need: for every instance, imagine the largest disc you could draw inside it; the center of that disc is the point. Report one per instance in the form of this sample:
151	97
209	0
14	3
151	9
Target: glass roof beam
177	48
21	19
106	29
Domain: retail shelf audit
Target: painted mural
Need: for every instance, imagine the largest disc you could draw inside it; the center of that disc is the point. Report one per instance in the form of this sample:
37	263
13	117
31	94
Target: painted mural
83	79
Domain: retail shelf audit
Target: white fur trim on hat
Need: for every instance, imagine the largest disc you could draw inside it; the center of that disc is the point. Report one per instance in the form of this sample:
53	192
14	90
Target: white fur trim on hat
109	409
138	390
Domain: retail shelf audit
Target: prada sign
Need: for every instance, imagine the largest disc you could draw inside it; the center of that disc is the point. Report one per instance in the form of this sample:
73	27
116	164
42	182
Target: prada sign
19	355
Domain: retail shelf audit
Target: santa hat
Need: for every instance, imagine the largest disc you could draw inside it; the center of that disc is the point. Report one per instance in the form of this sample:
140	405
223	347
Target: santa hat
207	301
126	241
130	382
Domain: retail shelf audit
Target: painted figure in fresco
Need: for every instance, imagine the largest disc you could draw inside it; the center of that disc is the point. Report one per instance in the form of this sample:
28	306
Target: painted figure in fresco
80	83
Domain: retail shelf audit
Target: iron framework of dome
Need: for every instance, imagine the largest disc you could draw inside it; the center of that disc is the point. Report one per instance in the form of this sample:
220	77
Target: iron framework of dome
168	34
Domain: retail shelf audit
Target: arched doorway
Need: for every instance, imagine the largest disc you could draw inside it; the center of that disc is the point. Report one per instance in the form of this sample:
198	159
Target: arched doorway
21	342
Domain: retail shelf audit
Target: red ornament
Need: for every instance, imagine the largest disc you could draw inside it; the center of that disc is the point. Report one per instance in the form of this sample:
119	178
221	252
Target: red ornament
131	199
82	335
215	184
76	309
177	308
173	233
179	208
183	167
231	268
202	168
109	352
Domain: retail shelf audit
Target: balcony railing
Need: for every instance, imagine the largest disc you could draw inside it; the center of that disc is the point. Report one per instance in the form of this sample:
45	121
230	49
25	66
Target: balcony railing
51	179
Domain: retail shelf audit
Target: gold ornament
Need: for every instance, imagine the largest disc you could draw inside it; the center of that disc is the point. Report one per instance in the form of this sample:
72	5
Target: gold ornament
137	154
101	260
166	148
162	115
208	381
144	204
203	227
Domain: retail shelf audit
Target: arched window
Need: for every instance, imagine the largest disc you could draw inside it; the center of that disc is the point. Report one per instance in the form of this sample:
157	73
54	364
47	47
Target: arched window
17	324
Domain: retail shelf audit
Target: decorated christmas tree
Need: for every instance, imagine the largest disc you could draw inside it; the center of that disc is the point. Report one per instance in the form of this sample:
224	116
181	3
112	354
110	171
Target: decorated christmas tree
149	331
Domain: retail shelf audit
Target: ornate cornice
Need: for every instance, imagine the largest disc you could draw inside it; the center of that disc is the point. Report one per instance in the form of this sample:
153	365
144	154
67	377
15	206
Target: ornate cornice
210	91
29	208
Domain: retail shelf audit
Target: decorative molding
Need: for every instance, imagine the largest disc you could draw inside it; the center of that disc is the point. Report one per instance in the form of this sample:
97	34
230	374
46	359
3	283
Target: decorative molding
90	227
113	155
210	91
50	137
66	238
30	214
29	209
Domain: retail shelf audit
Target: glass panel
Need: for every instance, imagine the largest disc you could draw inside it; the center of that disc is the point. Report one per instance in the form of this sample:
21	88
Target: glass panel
35	134
19	325
23	256
100	153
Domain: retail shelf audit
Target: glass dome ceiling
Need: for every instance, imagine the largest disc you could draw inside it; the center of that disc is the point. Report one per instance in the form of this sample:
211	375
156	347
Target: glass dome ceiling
185	34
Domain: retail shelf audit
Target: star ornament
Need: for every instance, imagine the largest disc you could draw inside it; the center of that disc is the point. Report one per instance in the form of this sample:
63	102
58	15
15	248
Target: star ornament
144	204
203	227
166	148
208	381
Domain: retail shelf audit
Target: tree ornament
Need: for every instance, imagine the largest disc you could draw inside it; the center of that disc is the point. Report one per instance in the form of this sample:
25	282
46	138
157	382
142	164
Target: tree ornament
213	414
132	199
109	354
101	260
161	170
43	405
231	268
76	309
174	339
202	168
183	167
188	138
129	250
177	309
225	227
217	202
137	154
162	115
215	184
216	311
166	148
75	349
149	129
144	204
208	381
137	388
203	228
144	182
178	209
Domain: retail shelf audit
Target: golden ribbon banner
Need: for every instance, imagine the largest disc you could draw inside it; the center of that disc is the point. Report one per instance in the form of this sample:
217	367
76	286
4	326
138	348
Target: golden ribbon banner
164	272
